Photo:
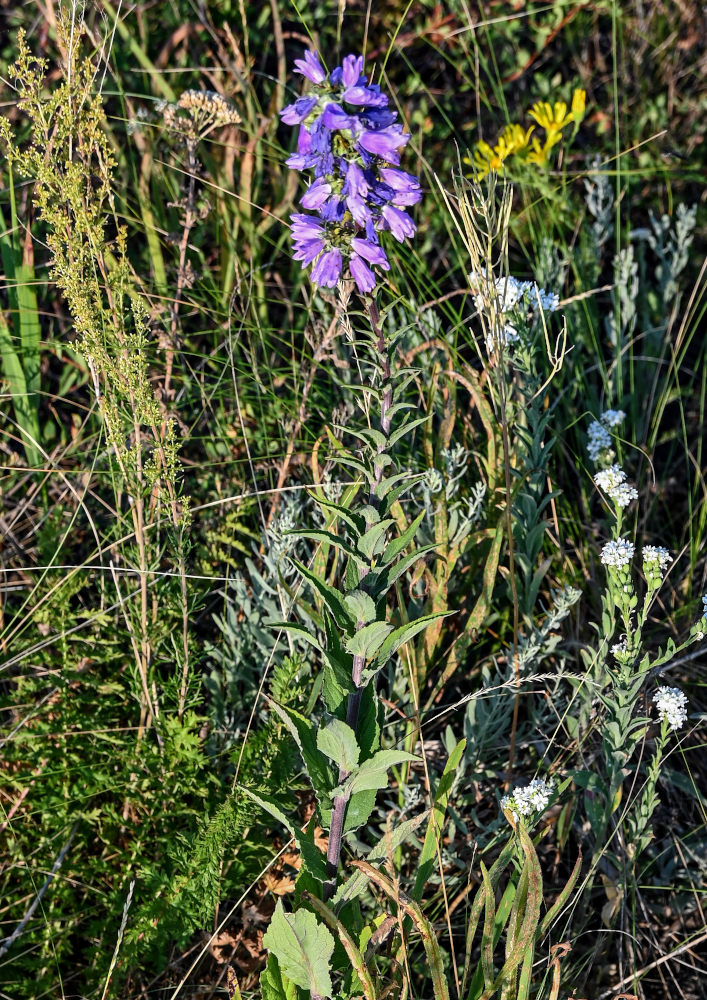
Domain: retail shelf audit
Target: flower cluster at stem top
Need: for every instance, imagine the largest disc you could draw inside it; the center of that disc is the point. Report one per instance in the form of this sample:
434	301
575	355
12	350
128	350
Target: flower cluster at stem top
599	444
670	703
618	553
505	298
350	141
531	799
613	482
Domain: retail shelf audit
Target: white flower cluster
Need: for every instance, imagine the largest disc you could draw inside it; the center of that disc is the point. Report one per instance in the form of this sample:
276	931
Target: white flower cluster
502	296
671	703
525	801
613	418
599	443
613	482
617	553
704	606
656	555
619	648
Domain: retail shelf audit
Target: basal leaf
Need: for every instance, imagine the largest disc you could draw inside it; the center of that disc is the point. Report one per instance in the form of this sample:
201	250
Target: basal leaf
303	948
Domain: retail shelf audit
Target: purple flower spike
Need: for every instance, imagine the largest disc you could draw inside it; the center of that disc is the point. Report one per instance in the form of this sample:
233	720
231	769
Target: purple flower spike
351	70
295	113
355	190
327	271
362	274
310	67
400	223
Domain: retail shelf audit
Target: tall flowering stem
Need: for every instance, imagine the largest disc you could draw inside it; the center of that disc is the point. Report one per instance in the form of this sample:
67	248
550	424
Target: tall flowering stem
349	144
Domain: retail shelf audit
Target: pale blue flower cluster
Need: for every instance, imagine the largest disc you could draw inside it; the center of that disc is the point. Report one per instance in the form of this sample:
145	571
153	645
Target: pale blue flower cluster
613	482
617	553
350	141
534	798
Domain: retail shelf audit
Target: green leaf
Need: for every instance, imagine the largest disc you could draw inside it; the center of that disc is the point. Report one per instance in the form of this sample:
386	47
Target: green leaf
361	606
373	773
328	537
353	519
368	640
359	809
333	599
392	574
313	859
369	543
355	884
317	765
338	742
301	631
434	828
275	986
303	948
395	547
400	636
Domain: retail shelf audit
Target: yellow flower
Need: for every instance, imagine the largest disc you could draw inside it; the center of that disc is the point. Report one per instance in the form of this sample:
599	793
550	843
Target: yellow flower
513	139
579	102
551	117
486	159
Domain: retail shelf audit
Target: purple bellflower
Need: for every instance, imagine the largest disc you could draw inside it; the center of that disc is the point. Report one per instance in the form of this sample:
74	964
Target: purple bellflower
350	141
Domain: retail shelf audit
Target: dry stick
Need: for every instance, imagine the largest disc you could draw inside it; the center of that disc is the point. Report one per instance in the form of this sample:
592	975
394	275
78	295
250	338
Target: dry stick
8	942
338	815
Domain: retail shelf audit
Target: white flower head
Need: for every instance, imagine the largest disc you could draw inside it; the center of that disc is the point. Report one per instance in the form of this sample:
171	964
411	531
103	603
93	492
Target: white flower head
613	418
671	703
618	553
599	442
534	798
613	482
619	648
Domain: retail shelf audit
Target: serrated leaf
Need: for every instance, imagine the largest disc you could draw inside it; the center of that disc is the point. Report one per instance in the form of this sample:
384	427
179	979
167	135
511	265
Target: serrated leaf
368	640
338	742
303	948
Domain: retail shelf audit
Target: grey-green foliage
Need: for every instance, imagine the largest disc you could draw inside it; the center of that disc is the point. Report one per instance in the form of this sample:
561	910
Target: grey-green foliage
599	200
670	241
621	323
247	645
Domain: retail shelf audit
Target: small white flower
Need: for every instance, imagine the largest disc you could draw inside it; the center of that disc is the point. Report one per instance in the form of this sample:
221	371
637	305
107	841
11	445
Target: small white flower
619	648
599	442
671	703
656	555
613	482
617	553
613	418
525	801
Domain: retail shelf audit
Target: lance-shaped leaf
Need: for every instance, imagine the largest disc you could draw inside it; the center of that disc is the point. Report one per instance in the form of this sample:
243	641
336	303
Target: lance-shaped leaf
361	605
394	548
333	599
373	773
303	948
368	640
300	631
373	539
313	859
316	763
338	742
327	537
356	883
398	637
350	517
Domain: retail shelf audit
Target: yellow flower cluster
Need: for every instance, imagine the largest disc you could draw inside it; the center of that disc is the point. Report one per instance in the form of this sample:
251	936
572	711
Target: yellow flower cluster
518	141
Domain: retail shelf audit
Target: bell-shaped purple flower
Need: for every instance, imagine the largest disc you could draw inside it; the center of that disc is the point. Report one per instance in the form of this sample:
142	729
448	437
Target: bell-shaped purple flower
295	113
406	188
399	222
327	271
367	97
310	67
316	194
383	144
370	251
335	117
351	70
362	274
